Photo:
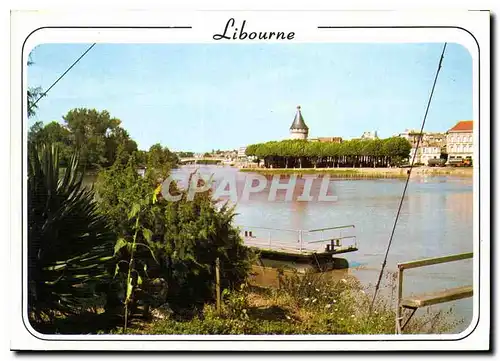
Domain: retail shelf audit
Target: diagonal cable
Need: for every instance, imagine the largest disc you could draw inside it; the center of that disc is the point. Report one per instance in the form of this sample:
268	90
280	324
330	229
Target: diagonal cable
62	76
407	181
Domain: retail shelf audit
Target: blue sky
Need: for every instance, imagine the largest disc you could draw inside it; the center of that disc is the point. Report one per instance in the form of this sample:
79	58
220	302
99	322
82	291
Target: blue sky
218	96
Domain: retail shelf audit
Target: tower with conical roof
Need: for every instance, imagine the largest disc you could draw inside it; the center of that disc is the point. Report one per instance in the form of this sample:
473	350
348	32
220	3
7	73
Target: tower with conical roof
299	129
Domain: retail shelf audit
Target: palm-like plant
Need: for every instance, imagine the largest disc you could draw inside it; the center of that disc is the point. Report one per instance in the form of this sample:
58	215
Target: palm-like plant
69	243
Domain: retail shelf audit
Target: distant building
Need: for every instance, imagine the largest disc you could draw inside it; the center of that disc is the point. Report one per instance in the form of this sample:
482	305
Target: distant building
299	129
425	153
428	139
459	141
435	139
369	135
412	136
241	152
327	139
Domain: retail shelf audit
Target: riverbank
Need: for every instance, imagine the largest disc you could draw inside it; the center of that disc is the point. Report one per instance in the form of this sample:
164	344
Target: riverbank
367	172
299	305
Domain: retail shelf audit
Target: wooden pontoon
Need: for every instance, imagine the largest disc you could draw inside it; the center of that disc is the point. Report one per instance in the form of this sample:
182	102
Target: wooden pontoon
316	247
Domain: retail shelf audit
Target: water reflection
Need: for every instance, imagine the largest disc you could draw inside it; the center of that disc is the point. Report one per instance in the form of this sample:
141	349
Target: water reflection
435	220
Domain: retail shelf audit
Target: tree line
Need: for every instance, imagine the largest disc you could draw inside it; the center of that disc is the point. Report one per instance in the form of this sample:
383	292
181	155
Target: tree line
352	153
97	136
183	154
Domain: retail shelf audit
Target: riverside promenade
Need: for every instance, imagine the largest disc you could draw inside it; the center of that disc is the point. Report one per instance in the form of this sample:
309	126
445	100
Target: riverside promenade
369	172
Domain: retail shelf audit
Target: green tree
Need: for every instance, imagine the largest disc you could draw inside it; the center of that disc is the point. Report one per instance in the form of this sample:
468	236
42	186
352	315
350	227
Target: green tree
160	160
185	154
186	236
33	94
35	132
354	153
396	149
114	139
90	130
53	133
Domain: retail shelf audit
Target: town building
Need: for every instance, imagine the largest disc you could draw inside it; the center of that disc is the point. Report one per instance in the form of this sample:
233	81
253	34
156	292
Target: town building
299	129
435	139
431	146
327	139
369	135
459	141
241	152
425	153
410	135
428	138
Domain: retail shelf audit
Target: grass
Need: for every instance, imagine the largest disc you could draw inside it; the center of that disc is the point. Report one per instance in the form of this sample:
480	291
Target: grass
305	304
301	304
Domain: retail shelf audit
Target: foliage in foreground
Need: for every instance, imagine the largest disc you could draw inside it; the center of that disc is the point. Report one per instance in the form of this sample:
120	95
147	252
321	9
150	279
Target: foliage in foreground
182	239
308	304
69	243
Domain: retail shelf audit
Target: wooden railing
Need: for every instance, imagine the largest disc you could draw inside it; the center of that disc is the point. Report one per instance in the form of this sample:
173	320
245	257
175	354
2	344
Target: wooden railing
425	300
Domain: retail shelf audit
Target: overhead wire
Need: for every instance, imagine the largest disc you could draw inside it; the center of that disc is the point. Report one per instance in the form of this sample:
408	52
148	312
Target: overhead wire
60	77
384	263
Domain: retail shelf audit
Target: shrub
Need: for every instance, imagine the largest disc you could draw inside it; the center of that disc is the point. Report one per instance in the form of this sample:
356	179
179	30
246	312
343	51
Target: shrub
186	236
69	243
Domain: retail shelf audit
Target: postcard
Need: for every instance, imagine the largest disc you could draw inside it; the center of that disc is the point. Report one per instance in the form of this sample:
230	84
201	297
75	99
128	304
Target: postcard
250	180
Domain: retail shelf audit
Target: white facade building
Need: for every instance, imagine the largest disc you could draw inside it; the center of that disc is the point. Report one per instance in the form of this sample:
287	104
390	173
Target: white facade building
369	135
241	152
459	141
426	153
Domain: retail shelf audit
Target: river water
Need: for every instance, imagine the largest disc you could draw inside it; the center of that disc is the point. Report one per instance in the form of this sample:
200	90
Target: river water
435	220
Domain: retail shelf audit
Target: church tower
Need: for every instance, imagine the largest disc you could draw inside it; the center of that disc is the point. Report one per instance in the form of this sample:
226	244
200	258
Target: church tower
299	129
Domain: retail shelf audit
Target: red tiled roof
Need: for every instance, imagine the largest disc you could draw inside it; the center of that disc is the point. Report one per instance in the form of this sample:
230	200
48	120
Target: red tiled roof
463	126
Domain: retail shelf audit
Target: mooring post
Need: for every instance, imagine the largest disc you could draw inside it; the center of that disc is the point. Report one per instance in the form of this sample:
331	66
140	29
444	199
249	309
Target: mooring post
300	240
399	309
217	283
